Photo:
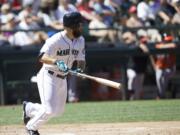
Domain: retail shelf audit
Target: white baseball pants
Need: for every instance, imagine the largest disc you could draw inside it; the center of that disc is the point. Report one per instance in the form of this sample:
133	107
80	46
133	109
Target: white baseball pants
53	94
135	82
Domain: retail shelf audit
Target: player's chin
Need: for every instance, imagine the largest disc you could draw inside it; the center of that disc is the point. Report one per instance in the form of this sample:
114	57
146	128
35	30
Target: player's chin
77	33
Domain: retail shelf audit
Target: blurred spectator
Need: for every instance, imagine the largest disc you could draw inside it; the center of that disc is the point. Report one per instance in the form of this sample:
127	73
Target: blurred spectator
85	10
137	64
51	7
176	17
10	25
164	65
64	7
22	38
144	12
5	10
166	12
119	24
154	35
154	6
35	4
3	39
133	21
16	5
28	9
105	12
113	4
106	17
88	14
128	38
124	6
45	14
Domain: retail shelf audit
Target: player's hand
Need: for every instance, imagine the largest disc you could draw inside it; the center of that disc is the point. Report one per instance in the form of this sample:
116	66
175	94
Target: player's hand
79	70
61	65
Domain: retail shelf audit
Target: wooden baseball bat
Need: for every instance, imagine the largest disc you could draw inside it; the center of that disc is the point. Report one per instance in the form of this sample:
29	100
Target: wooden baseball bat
97	79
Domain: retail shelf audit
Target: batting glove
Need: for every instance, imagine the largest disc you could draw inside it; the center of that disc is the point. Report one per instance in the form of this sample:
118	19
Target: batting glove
61	65
79	70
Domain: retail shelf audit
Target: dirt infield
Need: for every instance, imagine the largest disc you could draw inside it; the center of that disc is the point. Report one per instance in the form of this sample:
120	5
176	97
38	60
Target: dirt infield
133	128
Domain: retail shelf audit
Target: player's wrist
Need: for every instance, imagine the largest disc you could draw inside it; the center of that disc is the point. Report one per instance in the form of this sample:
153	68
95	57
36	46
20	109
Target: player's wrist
79	70
55	62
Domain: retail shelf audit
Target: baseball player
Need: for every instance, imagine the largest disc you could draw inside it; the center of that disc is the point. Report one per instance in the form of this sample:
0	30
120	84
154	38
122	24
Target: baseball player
164	65
57	55
136	65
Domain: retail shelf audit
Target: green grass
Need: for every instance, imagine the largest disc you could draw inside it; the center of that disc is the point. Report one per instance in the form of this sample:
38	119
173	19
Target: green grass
104	112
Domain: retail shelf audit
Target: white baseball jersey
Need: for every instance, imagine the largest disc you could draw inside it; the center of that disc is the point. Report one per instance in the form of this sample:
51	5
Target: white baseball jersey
52	88
62	48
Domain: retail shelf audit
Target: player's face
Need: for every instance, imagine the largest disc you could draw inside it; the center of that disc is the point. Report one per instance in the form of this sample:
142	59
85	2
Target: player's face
77	32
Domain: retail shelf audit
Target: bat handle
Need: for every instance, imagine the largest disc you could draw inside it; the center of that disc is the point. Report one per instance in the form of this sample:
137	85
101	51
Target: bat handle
72	72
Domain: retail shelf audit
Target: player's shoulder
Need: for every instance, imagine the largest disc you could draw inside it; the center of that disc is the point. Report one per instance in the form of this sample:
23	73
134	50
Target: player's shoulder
81	39
55	37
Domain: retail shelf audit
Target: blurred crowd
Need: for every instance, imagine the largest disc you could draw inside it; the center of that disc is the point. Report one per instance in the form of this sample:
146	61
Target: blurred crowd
100	17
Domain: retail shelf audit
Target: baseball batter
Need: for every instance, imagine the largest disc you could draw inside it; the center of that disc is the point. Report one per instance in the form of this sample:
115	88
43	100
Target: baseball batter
57	55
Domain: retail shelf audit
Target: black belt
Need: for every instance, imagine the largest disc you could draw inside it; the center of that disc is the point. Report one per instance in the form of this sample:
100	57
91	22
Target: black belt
59	76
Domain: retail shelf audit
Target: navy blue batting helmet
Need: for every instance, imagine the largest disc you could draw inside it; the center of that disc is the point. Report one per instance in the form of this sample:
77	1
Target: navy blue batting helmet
72	19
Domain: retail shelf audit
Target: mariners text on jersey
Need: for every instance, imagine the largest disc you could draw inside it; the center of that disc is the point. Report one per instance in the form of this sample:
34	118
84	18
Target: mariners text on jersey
67	52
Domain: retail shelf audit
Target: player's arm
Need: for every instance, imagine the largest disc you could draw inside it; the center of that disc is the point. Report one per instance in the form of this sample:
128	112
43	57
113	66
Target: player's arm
144	47
44	58
166	45
52	61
